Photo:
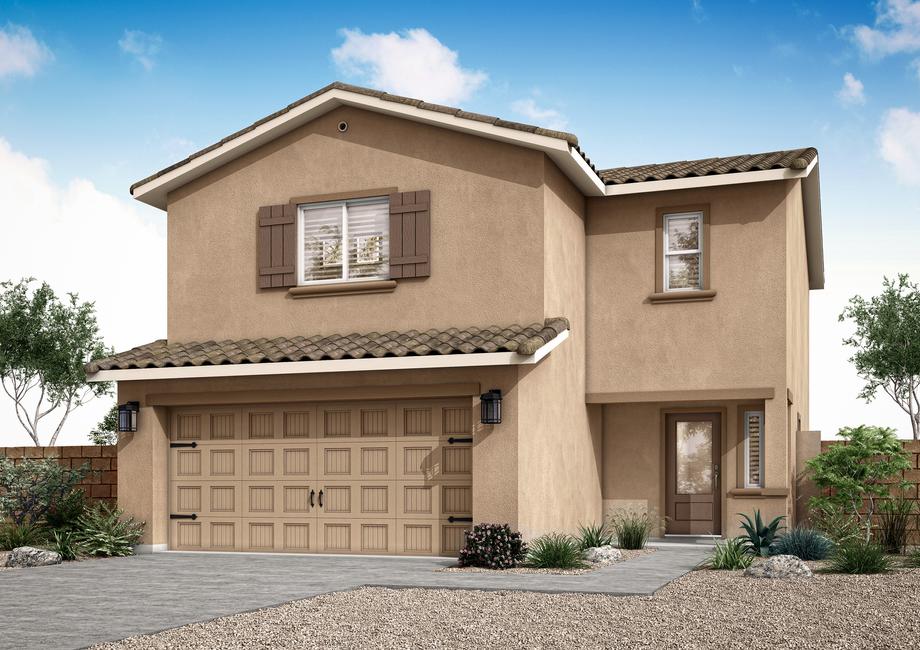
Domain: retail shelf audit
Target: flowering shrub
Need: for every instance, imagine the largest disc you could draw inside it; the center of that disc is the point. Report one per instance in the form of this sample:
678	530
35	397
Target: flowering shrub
493	546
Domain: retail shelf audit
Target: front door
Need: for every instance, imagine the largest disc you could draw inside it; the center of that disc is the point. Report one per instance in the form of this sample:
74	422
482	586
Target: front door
693	456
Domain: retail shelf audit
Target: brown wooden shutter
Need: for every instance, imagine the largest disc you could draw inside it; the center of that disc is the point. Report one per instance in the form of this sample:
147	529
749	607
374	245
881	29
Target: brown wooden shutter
410	234
277	246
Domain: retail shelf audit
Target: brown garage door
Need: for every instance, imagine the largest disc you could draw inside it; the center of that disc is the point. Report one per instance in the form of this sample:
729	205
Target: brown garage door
343	477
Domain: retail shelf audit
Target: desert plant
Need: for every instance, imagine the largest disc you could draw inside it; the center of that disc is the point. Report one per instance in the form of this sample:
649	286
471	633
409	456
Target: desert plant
913	559
555	551
31	487
632	528
594	535
13	535
804	543
730	555
838	525
492	546
893	520
859	472
859	557
107	531
65	513
65	542
759	537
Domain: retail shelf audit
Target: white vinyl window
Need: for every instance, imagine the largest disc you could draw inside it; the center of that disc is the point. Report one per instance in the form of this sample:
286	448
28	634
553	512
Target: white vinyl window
343	241
753	449
683	251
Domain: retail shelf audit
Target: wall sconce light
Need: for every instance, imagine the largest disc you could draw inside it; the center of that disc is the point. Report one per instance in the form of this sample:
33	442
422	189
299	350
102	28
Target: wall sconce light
127	417
491	406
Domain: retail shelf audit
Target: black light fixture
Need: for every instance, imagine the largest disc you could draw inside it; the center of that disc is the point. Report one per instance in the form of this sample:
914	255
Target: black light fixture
127	417
491	405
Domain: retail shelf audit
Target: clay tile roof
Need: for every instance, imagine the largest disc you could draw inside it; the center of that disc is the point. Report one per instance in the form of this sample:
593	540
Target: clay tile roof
524	340
791	159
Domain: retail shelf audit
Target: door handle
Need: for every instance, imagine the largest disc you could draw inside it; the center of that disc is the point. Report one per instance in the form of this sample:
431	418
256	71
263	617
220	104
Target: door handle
312	492
320	498
715	474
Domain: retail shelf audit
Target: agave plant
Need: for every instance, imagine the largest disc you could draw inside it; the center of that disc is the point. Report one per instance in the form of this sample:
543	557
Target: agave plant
759	537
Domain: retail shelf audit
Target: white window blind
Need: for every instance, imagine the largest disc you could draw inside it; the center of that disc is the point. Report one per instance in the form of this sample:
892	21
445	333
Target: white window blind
683	251
753	449
345	240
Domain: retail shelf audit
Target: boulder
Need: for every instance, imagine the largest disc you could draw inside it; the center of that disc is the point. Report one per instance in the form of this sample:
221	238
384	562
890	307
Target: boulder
779	567
27	556
603	555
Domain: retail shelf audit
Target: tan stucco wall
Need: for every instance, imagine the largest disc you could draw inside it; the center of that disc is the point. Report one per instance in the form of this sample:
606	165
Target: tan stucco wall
559	439
486	231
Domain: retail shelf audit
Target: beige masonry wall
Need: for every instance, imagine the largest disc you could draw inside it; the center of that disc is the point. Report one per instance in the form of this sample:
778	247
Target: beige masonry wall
486	231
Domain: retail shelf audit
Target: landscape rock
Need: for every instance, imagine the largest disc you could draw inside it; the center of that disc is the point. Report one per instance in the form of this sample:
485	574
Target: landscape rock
28	556
779	567
603	555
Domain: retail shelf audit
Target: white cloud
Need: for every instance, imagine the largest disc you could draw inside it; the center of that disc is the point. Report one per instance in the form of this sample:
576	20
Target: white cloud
896	29
541	116
915	64
852	92
142	46
81	240
899	143
412	63
20	52
697	10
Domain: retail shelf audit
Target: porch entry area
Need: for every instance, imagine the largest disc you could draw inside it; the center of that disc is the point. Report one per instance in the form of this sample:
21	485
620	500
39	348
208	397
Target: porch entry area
692	465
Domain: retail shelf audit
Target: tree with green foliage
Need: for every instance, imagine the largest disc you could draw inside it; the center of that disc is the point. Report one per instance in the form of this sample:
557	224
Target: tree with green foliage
44	344
106	431
31	488
859	472
887	344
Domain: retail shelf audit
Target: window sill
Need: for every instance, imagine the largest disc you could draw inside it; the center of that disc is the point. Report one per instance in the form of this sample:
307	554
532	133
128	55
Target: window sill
682	296
342	289
751	493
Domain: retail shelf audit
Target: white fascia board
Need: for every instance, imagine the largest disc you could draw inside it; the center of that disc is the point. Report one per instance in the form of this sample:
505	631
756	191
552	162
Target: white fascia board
154	191
710	181
327	366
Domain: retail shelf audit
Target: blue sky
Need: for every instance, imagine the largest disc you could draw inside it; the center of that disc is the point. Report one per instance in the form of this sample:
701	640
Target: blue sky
95	97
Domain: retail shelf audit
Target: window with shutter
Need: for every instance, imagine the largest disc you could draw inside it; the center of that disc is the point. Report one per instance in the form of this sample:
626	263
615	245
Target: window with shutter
277	246
753	449
410	234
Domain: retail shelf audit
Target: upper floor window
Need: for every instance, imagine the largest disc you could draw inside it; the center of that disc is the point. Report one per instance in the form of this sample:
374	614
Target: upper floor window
344	240
683	251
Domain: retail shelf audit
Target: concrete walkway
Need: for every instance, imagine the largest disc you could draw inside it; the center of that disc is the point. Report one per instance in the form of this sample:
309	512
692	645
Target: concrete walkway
81	603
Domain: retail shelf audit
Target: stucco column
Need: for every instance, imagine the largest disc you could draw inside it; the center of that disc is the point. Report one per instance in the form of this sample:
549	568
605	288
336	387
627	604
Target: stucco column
495	462
142	475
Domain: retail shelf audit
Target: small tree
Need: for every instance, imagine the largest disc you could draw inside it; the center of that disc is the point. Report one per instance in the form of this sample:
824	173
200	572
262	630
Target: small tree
859	472
106	431
44	344
887	344
29	489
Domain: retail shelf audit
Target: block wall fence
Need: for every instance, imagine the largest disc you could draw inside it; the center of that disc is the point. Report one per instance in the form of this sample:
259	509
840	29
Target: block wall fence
101	484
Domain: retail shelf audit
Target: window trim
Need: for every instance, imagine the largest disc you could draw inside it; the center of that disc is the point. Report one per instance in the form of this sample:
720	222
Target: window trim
668	253
746	467
703	292
303	208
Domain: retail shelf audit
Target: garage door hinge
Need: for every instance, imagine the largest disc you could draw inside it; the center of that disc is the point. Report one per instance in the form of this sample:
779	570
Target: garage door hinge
456	519
192	516
173	445
454	441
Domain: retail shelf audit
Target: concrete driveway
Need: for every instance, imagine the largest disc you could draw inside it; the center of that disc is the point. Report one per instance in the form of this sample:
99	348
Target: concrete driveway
81	603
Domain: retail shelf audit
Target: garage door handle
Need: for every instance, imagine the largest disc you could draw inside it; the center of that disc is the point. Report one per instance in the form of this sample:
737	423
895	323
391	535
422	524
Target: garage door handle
312	493
320	498
173	445
453	441
192	516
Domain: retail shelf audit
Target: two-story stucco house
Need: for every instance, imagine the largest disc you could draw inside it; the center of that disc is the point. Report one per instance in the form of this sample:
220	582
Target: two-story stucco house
349	276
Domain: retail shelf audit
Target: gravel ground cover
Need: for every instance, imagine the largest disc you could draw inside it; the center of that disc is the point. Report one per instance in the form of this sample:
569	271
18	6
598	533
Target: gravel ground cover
625	555
704	609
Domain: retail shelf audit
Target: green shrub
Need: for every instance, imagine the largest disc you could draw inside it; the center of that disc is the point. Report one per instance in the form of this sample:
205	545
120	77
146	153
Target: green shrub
555	551
730	555
759	537
632	528
13	535
31	488
107	532
492	546
594	535
838	525
65	542
913	559
804	543
64	514
859	557
893	520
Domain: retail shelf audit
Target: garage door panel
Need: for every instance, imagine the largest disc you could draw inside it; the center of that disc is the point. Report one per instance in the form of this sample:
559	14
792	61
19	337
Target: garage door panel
356	535
187	424
287	459
278	499
364	460
205	498
205	534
